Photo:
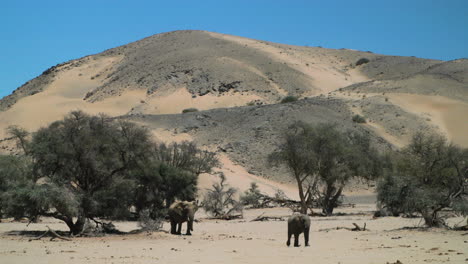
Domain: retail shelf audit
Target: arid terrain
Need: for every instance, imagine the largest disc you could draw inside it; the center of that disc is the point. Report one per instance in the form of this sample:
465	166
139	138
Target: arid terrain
387	240
237	84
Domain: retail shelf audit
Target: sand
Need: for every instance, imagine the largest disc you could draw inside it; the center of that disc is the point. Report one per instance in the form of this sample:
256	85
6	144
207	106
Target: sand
322	74
243	241
239	178
451	116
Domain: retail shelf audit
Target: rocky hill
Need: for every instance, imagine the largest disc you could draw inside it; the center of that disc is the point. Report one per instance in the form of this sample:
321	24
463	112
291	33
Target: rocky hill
237	84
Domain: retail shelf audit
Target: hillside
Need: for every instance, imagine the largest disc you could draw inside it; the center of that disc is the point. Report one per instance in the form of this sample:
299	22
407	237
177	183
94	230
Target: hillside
238	82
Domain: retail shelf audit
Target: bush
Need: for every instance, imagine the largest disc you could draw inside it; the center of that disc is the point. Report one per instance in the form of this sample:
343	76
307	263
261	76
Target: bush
362	61
189	110
359	119
252	196
289	99
150	223
219	202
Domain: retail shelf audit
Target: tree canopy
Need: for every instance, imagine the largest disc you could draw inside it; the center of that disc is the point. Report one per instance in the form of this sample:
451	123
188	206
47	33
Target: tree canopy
322	159
84	167
428	175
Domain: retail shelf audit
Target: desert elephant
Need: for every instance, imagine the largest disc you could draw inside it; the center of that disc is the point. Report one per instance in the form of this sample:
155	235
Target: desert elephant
182	211
297	224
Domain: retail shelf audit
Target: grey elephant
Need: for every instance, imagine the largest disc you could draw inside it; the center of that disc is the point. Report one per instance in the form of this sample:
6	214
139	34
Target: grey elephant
297	224
180	212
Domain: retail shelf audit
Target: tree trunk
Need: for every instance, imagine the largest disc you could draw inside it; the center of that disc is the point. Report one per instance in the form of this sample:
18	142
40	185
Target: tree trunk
330	200
431	219
75	227
301	195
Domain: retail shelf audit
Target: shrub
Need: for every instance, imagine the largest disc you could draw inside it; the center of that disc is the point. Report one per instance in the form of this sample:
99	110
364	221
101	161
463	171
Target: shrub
149	223
359	119
288	99
219	202
362	61
189	110
252	196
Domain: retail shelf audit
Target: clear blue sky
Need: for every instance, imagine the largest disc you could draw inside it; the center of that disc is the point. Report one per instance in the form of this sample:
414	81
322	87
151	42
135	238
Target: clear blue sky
35	35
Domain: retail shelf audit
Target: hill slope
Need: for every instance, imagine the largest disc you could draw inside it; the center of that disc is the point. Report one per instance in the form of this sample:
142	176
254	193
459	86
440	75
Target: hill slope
152	80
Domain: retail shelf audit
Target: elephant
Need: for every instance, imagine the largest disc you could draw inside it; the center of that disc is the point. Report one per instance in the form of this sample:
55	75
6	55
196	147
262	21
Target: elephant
297	224
179	212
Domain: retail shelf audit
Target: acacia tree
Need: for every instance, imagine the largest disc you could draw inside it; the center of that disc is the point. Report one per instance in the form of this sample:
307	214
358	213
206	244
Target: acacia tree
159	185
86	159
427	176
323	160
84	167
171	173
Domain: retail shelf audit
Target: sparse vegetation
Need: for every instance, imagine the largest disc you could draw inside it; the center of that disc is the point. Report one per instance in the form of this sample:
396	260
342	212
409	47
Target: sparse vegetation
289	99
359	119
362	61
219	201
189	110
252	196
429	175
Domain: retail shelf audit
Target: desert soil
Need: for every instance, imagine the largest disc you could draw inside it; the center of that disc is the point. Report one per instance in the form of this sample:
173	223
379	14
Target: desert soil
388	240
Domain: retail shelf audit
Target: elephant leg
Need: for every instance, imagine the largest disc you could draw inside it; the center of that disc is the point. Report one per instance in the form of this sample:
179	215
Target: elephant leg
188	229
288	243
173	227
296	240
179	228
306	237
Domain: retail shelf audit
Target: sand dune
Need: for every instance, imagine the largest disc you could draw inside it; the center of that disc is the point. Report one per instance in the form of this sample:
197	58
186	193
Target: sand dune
451	116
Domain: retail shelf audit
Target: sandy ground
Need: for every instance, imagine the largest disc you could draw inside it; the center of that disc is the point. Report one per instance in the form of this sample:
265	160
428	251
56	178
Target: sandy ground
243	241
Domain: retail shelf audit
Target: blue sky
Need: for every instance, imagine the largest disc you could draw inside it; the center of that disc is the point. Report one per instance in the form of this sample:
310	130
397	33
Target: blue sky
35	35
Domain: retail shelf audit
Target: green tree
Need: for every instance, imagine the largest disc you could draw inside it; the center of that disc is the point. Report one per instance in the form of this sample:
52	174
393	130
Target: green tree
85	167
428	175
160	184
323	159
80	168
14	171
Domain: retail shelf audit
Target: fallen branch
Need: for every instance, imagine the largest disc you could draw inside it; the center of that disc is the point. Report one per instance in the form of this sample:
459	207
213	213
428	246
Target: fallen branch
227	217
267	218
53	234
461	228
356	228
